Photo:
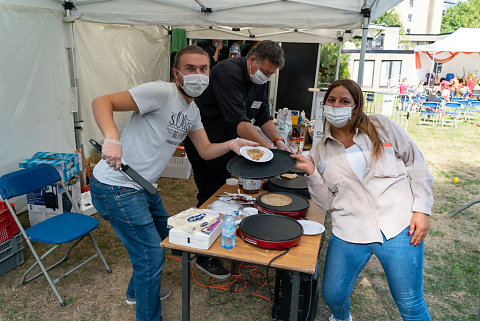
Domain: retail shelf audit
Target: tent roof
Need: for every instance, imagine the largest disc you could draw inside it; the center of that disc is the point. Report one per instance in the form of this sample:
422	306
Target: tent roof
296	20
462	40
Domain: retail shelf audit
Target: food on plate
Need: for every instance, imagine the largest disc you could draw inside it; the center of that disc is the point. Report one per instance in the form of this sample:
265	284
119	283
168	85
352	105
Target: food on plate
289	175
275	199
255	153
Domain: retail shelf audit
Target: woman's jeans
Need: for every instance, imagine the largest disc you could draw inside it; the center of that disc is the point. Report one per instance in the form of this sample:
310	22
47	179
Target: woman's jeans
401	262
140	221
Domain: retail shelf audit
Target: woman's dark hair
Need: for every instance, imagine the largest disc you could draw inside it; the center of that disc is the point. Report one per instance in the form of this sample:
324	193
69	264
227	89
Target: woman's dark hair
360	120
192	49
268	50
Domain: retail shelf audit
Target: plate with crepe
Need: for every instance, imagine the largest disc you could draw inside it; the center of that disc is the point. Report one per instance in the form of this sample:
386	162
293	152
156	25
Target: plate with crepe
256	154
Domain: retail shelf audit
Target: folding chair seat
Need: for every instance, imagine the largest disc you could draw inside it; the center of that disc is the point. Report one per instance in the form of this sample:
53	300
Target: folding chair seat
451	111
428	113
60	229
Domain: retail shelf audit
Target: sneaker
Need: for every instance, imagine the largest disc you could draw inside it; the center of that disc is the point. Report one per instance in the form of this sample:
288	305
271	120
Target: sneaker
332	318
164	293
212	267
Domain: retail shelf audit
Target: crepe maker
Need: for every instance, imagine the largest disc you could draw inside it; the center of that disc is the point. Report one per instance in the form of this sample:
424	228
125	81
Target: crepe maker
270	231
298	185
297	209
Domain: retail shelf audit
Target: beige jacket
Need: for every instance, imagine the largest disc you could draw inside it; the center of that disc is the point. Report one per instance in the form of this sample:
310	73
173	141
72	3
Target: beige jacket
394	186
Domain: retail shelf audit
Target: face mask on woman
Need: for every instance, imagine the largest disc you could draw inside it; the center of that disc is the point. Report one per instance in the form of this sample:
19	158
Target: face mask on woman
258	78
338	116
194	84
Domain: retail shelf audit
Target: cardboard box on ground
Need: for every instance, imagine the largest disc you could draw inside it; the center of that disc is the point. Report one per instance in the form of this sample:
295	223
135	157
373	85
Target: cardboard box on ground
52	200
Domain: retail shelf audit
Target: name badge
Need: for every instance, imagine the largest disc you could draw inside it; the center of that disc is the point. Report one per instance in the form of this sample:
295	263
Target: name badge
256	104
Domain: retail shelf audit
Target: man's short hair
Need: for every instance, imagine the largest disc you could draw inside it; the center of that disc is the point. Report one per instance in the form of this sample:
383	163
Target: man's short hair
268	50
192	49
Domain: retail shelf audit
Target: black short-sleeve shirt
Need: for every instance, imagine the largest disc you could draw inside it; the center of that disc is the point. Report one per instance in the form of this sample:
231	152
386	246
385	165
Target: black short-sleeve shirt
230	98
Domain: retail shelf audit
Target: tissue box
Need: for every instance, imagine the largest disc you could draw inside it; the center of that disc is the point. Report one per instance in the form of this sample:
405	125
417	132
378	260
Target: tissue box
66	164
200	240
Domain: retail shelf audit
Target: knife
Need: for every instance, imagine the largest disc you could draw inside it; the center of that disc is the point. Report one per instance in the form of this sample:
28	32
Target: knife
130	172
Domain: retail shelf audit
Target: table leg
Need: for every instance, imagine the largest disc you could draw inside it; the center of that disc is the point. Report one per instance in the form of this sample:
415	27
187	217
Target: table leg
295	296
185	286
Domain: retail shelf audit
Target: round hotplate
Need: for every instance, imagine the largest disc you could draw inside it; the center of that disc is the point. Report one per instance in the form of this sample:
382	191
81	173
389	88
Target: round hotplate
281	163
271	227
299	182
299	203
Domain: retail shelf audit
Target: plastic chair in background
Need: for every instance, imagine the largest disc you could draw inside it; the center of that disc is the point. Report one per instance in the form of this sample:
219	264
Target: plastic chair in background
474	110
60	229
451	110
428	113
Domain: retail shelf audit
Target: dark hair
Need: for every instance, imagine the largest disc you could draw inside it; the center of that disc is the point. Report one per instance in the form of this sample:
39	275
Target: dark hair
192	49
268	50
360	119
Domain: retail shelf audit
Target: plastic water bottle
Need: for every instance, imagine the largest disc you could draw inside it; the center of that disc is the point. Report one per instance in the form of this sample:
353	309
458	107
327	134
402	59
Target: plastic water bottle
228	231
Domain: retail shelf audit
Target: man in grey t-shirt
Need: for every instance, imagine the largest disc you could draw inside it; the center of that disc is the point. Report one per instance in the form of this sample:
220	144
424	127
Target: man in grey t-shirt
163	115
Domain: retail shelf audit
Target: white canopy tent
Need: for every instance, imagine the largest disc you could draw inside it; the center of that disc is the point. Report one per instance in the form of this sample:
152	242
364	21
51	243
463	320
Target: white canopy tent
55	61
459	53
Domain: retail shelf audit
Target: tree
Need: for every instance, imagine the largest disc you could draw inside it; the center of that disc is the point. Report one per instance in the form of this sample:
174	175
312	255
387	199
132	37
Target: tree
464	14
390	18
328	64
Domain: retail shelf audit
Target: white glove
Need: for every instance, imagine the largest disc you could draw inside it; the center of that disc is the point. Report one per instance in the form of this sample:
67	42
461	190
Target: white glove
238	143
112	153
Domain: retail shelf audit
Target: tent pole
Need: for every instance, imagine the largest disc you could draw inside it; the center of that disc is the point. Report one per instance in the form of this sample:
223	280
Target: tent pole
432	68
366	21
75	105
340	45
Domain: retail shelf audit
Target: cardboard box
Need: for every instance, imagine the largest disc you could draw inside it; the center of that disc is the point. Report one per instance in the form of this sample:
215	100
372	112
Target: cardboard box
199	240
66	164
178	167
52	200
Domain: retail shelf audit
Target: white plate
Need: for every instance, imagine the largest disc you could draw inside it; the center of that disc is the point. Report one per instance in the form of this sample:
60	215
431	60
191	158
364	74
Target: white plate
311	227
267	154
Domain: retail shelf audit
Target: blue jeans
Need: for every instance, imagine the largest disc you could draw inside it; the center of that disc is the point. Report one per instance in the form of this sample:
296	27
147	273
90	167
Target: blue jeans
140	221
401	262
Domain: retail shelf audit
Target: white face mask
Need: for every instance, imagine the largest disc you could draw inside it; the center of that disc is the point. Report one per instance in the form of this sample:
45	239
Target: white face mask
338	116
194	84
258	78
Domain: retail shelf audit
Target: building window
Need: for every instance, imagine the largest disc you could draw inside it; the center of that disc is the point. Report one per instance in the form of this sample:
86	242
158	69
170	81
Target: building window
408	31
390	73
410	17
411	3
368	68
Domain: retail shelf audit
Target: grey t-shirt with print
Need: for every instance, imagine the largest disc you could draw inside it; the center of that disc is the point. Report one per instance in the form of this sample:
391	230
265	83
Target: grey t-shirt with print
152	133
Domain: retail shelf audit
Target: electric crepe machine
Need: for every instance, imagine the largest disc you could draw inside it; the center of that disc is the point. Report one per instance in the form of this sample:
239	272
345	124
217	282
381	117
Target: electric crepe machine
270	231
296	209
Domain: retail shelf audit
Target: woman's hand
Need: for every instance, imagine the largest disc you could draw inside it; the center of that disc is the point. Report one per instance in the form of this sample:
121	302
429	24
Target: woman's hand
419	225
238	143
112	153
304	164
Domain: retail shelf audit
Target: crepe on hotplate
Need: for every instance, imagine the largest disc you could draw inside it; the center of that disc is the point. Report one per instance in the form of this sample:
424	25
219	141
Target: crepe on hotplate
276	199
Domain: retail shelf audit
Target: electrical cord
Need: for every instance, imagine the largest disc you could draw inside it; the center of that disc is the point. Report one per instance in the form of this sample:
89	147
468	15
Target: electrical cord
268	267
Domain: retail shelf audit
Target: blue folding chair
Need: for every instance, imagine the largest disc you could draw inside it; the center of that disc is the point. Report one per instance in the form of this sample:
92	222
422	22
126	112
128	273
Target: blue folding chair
428	113
452	110
57	230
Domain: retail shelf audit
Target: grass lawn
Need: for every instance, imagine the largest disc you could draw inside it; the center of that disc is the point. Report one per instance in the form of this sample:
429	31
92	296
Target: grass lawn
451	267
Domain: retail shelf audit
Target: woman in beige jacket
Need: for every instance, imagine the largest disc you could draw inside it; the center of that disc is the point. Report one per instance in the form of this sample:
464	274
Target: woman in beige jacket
373	179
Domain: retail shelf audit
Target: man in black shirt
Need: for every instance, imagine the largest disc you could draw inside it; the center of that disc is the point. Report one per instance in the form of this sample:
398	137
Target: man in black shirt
237	93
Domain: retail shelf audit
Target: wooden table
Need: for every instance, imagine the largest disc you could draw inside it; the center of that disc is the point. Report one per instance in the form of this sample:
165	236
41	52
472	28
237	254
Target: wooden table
300	259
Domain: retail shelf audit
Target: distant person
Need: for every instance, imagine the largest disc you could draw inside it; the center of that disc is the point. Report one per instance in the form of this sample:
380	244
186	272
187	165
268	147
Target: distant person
213	49
470	85
434	96
372	179
235	49
403	87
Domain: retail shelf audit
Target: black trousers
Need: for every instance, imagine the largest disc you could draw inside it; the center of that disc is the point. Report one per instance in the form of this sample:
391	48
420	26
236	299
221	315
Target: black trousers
209	175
